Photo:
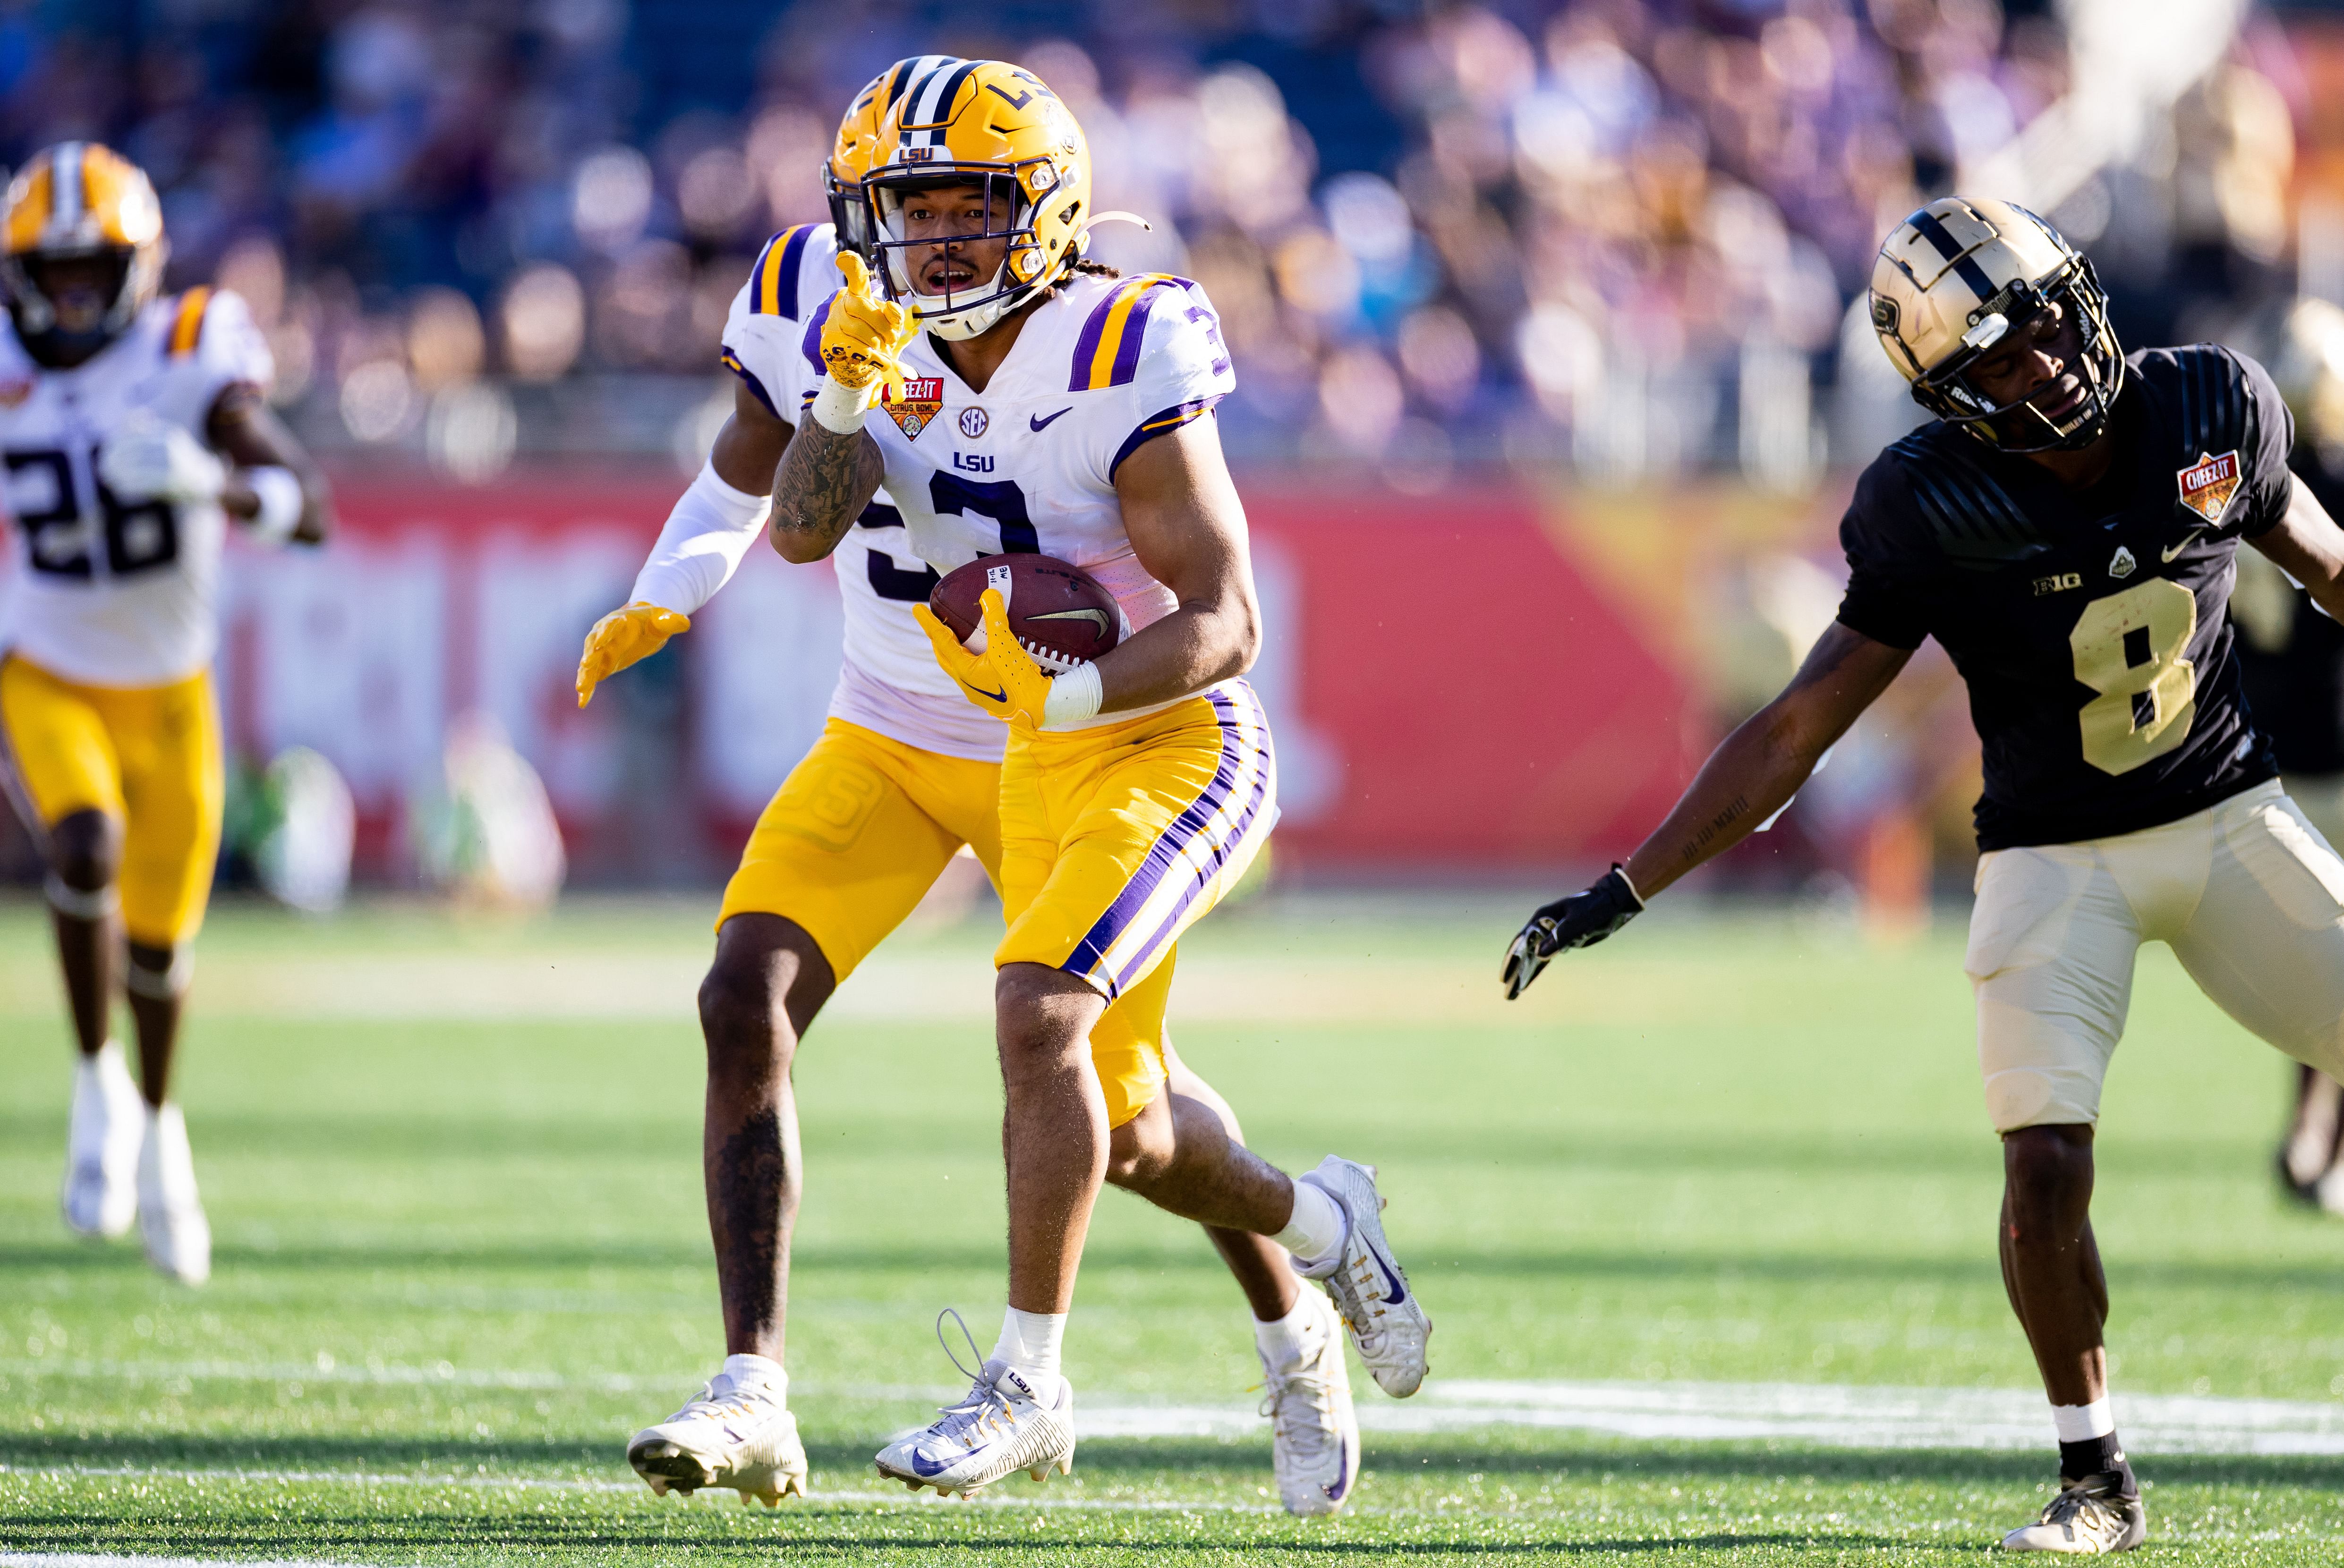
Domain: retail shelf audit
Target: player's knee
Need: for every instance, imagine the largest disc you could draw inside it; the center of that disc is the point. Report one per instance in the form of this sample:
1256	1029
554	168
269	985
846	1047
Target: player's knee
767	979
1140	1150
1041	1014
86	848
2048	1168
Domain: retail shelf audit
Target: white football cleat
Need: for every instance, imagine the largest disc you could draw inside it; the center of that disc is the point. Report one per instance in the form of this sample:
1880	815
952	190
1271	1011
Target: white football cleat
100	1196
1314	1437
2089	1517
1369	1287
735	1432
170	1214
1000	1427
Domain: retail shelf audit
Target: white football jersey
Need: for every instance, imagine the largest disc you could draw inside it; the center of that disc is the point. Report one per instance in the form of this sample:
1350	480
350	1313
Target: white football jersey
1029	464
117	591
888	679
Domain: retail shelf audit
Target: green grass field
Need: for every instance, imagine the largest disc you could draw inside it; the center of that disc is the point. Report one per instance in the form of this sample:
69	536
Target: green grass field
452	1168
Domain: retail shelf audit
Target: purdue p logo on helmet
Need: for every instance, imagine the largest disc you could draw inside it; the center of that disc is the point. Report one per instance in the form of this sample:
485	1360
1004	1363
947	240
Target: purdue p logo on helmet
1961	276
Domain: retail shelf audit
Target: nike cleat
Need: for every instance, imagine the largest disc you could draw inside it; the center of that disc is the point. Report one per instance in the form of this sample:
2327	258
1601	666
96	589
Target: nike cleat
1000	1427
100	1196
732	1433
170	1213
1314	1437
1369	1288
2089	1517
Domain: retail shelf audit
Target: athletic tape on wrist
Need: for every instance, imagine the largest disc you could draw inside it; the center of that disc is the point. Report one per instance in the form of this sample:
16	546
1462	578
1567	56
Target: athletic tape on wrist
841	409
278	491
160	985
80	904
1074	698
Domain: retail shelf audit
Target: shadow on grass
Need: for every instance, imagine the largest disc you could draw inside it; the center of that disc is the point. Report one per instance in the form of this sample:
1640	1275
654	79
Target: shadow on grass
1433	1267
818	1537
1127	1462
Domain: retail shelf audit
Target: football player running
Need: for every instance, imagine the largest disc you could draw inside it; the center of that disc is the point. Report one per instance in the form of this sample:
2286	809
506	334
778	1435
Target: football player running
132	428
1010	398
2066	530
904	775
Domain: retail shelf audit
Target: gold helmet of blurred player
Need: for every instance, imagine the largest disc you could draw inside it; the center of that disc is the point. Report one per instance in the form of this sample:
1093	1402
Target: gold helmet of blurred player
858	137
81	249
987	124
1965	273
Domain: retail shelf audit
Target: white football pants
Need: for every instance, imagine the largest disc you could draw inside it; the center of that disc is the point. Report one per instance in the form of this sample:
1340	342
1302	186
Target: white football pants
2249	897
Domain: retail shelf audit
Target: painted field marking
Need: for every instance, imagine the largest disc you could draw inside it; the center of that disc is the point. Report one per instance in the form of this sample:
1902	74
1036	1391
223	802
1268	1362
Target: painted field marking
1827	1415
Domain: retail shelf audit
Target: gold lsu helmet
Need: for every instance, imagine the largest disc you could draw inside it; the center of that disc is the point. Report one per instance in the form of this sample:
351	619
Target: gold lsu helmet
76	201
1956	279
984	123
858	137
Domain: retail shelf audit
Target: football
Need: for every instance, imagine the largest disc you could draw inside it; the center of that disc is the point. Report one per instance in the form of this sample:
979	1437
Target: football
1059	612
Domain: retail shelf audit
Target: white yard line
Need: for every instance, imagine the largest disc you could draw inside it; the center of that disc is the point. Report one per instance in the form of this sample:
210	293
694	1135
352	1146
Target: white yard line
1828	1415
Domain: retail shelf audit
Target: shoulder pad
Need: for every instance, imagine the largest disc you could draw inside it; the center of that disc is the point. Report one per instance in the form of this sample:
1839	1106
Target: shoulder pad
1107	354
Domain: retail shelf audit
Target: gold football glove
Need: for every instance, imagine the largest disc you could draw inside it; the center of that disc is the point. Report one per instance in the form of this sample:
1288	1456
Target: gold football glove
865	331
623	638
1004	679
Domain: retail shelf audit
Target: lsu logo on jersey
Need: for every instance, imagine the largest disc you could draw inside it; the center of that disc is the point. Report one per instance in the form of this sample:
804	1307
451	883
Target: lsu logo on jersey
914	404
2208	484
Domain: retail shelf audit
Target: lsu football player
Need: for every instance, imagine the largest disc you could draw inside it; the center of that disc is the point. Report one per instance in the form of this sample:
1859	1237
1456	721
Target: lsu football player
1008	397
904	774
133	430
2067	529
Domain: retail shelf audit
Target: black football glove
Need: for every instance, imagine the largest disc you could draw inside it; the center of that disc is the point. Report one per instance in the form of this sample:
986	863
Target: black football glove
1581	921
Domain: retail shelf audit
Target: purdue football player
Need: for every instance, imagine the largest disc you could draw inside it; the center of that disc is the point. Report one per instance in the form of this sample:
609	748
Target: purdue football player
2065	529
132	431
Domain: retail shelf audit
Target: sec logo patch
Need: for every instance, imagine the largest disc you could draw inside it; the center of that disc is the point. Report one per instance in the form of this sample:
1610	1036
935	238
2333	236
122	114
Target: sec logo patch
973	422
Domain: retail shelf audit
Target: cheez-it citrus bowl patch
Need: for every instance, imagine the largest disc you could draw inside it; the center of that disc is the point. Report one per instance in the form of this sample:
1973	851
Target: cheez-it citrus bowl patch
914	403
2208	484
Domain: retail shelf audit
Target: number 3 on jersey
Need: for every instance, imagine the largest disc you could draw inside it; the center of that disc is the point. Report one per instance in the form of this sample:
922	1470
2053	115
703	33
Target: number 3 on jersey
2129	648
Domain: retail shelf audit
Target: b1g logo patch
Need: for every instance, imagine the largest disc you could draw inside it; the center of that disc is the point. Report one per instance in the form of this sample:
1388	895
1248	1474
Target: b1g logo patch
2208	486
914	404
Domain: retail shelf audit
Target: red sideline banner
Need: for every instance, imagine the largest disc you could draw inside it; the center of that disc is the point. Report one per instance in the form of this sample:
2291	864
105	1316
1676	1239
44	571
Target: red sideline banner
1449	694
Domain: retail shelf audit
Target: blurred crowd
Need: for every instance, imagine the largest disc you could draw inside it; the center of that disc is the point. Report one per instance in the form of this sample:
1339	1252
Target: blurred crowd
1618	234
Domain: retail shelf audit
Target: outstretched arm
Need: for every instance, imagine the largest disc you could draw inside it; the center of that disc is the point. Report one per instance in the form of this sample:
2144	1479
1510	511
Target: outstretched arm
1755	770
2309	546
1751	775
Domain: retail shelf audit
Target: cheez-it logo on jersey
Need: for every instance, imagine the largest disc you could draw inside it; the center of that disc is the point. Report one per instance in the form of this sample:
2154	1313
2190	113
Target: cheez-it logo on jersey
914	403
2208	484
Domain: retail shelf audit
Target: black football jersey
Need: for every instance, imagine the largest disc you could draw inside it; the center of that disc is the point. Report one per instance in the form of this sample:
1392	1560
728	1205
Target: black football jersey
2295	691
2091	626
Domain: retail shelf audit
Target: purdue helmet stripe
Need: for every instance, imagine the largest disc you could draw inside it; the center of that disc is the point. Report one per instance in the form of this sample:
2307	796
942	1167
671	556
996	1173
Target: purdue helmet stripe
1924	223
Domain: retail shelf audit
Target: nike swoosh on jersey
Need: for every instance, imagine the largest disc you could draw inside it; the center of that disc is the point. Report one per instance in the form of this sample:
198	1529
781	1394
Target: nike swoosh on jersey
2186	540
1038	421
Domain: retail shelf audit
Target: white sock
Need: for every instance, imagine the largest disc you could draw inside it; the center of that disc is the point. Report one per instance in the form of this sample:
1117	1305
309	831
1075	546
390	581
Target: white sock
1286	1342
1316	1226
1029	1345
2082	1422
759	1373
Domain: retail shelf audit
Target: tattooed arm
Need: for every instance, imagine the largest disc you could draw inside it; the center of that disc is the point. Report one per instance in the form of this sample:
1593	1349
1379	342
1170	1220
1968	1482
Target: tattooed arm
1759	767
824	480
